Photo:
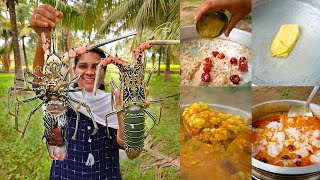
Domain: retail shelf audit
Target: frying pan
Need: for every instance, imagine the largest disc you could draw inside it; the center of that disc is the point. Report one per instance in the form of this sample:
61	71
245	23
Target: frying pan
237	36
303	63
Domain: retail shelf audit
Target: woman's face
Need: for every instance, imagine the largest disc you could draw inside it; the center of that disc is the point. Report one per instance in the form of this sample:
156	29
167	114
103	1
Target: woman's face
86	68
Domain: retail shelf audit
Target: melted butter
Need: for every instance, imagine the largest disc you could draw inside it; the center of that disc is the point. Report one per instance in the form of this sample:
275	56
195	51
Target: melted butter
285	40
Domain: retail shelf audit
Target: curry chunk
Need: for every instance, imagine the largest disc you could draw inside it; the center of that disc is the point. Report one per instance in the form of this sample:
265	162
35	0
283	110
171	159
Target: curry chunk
211	126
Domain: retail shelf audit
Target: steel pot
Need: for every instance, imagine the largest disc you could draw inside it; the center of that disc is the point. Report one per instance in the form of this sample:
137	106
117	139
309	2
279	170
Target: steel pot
261	170
237	36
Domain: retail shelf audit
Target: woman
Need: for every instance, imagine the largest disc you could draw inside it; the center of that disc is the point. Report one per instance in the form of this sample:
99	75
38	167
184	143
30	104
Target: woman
88	157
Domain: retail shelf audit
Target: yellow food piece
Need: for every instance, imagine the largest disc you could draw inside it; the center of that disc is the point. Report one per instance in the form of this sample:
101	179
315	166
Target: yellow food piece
212	127
285	40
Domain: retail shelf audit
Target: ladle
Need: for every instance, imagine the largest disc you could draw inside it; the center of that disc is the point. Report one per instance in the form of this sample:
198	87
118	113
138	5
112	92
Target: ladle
303	110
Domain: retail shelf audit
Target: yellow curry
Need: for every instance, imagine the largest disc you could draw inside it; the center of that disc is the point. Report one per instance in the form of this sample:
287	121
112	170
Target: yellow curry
214	145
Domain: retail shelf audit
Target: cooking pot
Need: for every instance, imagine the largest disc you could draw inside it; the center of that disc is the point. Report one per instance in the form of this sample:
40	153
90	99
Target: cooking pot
261	170
236	36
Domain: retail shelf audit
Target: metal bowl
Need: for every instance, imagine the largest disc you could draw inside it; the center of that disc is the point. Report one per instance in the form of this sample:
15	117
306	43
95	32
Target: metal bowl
261	170
237	36
212	24
301	67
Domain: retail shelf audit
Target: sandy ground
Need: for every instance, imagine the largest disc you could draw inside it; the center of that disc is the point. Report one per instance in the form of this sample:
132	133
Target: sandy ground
244	97
262	94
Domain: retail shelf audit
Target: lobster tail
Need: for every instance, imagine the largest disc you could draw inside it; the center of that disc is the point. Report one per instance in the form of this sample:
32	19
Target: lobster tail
134	131
55	129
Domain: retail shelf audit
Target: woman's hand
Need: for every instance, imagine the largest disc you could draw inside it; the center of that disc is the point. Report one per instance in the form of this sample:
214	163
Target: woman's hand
238	9
120	134
44	18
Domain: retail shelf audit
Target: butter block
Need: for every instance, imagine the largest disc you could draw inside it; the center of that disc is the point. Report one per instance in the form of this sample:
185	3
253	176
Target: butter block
285	40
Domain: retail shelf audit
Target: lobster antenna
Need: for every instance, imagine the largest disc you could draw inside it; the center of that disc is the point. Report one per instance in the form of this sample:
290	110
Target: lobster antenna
52	42
112	40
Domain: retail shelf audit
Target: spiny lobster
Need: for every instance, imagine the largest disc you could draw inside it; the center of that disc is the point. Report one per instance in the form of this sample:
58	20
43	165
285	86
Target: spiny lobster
133	96
52	89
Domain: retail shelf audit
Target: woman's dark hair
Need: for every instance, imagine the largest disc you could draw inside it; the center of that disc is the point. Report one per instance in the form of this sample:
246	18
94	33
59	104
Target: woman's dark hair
101	54
96	50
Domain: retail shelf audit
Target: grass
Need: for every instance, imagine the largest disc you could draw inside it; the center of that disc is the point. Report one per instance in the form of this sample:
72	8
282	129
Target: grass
21	158
166	132
285	93
28	158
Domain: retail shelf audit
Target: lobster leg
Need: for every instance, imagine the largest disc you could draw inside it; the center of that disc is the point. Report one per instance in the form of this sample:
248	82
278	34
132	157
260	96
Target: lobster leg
9	96
110	114
28	72
155	121
149	76
31	99
89	112
28	118
77	121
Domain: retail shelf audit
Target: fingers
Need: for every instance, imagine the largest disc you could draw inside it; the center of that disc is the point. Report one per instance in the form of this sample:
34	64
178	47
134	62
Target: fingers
52	153
52	10
147	100
234	20
117	98
45	16
210	5
37	23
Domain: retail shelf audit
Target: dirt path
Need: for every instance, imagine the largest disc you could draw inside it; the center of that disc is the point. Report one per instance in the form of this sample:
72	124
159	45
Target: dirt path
262	94
187	13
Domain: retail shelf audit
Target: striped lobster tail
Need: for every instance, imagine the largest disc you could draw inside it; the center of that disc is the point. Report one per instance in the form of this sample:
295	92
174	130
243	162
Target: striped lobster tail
134	131
55	129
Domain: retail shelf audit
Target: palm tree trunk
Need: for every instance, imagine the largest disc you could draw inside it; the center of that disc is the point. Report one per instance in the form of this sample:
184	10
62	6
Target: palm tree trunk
68	46
6	63
153	58
24	53
14	31
160	55
167	72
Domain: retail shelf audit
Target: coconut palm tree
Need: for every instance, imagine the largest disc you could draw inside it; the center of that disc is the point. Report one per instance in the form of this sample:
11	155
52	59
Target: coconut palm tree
143	15
14	32
5	34
23	13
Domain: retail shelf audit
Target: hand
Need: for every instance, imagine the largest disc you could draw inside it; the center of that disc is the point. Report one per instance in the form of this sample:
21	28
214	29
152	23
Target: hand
118	102
44	18
238	9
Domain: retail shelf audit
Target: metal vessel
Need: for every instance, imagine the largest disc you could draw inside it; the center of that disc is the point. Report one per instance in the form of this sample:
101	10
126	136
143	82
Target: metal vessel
264	171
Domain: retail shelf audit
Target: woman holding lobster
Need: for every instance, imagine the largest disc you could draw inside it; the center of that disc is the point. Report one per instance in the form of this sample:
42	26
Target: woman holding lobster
88	157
